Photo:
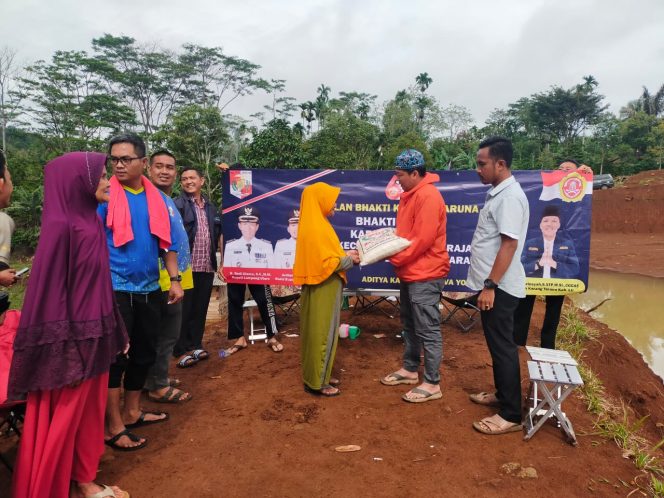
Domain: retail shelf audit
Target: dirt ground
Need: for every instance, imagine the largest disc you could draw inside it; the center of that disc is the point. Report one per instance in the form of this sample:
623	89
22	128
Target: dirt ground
251	430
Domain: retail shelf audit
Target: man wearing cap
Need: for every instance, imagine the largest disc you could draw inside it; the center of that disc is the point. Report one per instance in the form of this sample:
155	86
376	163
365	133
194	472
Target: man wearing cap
202	223
497	274
284	250
421	268
248	251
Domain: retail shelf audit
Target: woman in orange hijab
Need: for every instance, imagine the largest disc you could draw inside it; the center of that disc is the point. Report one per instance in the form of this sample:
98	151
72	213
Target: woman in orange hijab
320	265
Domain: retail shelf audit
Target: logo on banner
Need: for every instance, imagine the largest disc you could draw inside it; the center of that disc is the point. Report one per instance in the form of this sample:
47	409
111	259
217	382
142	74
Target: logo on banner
393	190
240	184
566	187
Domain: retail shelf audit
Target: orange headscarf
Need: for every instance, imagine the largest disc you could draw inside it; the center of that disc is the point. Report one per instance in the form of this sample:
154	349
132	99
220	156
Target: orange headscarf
318	250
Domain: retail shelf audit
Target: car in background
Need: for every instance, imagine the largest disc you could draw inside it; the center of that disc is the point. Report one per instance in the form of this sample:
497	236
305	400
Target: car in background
602	182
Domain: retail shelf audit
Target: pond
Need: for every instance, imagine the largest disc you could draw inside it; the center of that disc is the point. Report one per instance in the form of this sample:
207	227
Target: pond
635	309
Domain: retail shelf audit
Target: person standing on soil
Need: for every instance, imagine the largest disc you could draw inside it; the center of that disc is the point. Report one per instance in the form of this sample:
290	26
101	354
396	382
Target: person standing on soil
69	301
138	232
202	222
7	274
162	172
565	268
421	268
496	271
320	266
249	252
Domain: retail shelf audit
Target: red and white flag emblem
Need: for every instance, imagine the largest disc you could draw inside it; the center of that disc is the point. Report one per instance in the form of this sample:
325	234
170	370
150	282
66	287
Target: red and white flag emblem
569	187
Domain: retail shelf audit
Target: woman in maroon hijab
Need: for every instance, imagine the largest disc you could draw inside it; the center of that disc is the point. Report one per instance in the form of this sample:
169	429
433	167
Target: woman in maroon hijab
69	334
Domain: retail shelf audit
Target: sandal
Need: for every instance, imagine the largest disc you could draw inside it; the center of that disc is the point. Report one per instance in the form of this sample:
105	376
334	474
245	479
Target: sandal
200	354
334	382
235	348
113	442
325	391
484	399
394	379
275	345
425	395
492	426
172	395
107	491
141	421
187	361
174	382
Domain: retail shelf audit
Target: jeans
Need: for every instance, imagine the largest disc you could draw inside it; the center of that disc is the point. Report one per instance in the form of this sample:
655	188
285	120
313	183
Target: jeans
420	317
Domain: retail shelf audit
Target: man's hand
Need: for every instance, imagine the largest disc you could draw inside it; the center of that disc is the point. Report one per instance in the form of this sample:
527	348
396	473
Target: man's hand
175	293
485	299
354	255
8	277
220	273
223	167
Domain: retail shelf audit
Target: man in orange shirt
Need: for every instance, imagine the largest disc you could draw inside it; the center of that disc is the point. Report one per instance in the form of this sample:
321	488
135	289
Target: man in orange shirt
422	269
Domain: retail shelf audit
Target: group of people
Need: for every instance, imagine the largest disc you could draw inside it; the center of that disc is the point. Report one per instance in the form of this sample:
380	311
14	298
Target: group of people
123	275
120	283
496	274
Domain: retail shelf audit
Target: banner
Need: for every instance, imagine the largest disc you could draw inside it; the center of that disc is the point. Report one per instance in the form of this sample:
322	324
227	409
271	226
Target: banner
261	211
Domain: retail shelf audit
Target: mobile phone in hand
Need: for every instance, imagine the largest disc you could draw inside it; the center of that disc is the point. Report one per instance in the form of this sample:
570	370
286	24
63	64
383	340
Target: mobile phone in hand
22	271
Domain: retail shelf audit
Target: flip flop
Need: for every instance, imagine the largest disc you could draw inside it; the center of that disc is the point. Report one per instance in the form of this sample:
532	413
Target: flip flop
334	382
187	361
320	392
426	396
484	399
235	348
200	354
275	345
397	379
112	442
107	491
489	427
142	422
171	395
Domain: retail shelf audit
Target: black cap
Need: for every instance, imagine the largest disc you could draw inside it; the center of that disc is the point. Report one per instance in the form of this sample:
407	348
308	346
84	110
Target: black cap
249	213
551	210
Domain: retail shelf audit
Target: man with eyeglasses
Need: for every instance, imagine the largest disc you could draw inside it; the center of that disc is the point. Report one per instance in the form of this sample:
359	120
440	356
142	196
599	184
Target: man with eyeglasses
138	231
7	275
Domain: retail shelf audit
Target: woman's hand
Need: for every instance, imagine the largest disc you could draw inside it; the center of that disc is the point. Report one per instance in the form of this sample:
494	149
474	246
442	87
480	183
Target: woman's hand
354	255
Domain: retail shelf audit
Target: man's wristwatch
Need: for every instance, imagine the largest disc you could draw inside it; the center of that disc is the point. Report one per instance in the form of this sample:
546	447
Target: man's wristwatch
490	284
176	278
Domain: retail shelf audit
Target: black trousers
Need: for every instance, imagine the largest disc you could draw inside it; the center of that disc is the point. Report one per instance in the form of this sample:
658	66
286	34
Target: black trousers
498	325
194	312
554	306
263	297
141	314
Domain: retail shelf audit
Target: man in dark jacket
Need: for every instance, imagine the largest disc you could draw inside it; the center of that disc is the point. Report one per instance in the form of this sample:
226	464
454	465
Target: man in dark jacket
202	223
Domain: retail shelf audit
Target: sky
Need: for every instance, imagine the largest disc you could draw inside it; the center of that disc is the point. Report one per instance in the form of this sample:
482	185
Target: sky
481	54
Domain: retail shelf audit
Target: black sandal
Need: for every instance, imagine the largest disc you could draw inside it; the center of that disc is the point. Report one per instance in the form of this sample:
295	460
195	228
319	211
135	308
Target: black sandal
112	442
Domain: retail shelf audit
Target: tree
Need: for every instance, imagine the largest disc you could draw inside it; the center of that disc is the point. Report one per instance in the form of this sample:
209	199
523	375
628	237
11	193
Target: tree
648	103
9	100
275	146
410	140
69	103
423	81
196	135
282	107
560	115
399	116
308	113
346	142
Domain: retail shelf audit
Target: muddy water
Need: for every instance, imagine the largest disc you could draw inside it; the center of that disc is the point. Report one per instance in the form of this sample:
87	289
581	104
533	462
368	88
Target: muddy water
635	309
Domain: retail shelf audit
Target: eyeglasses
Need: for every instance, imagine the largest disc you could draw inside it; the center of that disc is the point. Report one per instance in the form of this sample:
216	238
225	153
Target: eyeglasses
126	160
